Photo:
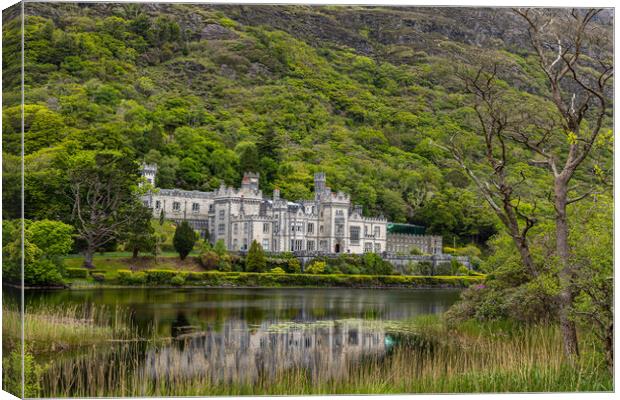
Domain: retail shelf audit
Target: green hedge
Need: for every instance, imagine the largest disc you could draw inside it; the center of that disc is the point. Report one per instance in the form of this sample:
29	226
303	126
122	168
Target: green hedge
159	276
77	273
216	278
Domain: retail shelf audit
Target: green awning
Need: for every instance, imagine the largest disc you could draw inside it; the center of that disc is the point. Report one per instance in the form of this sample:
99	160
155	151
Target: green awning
407	229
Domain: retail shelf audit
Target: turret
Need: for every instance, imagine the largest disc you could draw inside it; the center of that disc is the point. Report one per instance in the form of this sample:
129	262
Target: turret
250	181
319	184
149	171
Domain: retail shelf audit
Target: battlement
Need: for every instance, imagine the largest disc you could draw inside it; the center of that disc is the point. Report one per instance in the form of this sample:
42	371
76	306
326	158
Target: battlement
192	194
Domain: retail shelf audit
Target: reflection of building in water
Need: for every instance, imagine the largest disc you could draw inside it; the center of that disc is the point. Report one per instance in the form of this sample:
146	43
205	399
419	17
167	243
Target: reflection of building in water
242	353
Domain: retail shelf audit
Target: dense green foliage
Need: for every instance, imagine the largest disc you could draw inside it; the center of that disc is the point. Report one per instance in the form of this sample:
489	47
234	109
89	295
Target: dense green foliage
278	278
44	243
255	260
184	239
205	108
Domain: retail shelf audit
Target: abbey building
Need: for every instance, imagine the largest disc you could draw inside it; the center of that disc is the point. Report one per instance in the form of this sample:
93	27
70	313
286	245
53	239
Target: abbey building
329	223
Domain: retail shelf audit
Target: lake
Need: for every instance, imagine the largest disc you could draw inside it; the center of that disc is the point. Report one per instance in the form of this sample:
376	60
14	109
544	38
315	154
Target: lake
234	336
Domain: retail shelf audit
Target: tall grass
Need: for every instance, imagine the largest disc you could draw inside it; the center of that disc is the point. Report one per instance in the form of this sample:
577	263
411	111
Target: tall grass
56	328
435	359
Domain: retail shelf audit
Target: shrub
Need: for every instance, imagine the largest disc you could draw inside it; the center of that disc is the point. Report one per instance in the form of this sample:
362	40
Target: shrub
184	239
159	276
224	264
316	267
98	277
209	260
277	270
415	251
293	266
194	277
375	265
177	280
123	276
255	261
126	277
444	268
77	273
462	270
424	268
12	374
220	248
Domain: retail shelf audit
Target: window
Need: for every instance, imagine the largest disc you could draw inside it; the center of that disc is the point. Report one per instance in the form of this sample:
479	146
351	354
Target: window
235	228
300	227
310	245
211	208
368	247
365	230
339	229
266	244
157	204
276	227
323	245
222	213
235	244
321	229
377	231
297	226
355	234
245	244
195	207
310	227
245	227
297	244
377	247
275	245
221	228
266	228
176	206
339	213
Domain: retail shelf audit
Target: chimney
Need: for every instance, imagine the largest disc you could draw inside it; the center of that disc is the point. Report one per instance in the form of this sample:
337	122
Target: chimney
276	194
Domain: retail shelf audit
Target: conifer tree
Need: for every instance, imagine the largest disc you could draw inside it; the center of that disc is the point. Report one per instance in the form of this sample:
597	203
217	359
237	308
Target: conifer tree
184	239
256	261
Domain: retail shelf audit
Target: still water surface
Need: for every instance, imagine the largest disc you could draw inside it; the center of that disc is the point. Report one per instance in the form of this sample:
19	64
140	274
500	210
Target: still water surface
241	334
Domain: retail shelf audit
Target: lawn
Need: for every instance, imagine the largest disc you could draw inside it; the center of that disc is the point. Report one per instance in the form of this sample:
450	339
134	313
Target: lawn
111	262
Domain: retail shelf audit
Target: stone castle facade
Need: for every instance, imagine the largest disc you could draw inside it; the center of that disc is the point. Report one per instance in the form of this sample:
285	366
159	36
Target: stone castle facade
329	223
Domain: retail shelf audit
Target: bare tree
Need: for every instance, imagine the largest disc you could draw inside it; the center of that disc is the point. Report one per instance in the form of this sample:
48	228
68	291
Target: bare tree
100	190
572	52
496	119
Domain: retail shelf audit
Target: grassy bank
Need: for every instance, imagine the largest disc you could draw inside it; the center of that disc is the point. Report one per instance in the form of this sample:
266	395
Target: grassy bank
431	358
175	278
52	329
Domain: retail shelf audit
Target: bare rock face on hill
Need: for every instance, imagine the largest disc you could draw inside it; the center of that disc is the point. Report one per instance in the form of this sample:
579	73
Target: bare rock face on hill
217	32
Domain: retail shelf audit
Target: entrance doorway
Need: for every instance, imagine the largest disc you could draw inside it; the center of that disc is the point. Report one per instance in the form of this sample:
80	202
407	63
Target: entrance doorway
337	248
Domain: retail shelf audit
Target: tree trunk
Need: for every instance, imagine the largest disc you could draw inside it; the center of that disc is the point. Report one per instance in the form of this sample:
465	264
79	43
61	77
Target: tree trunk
88	257
135	253
567	294
526	256
609	347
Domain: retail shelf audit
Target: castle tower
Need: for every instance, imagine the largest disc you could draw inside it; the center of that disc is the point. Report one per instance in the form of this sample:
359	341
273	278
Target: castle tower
319	183
250	181
149	171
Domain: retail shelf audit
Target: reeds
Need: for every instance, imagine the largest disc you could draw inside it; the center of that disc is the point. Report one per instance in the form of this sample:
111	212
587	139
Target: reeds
435	359
57	328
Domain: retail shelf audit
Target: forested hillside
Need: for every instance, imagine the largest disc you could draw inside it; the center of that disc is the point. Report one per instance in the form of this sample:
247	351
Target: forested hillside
368	95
